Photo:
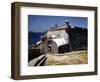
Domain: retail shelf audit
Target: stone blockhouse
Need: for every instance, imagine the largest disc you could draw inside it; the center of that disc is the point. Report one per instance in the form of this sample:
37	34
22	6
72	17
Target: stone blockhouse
61	39
56	38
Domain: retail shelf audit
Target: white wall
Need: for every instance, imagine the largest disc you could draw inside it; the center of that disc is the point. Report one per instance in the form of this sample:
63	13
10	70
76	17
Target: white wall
5	38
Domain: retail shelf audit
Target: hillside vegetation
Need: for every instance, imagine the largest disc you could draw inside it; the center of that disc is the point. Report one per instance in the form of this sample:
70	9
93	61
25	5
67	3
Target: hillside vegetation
77	57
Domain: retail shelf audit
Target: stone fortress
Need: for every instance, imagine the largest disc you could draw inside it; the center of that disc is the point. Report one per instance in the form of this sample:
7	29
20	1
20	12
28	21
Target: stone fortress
60	39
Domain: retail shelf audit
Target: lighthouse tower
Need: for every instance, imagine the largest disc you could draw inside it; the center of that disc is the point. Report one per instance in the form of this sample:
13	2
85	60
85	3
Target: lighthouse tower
67	24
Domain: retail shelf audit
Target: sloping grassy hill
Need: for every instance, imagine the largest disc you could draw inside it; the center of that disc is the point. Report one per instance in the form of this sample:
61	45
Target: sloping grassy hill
77	57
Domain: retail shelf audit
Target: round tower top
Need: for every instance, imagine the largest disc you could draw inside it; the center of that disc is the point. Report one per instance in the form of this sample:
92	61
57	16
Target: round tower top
66	21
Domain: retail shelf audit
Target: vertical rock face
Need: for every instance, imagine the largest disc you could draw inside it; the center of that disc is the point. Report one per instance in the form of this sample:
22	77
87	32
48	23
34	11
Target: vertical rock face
78	38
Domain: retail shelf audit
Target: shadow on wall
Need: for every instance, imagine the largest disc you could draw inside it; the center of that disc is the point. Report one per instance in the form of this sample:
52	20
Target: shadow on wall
78	38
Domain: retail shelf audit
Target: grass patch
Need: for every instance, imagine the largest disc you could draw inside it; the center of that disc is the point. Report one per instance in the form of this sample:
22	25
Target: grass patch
77	57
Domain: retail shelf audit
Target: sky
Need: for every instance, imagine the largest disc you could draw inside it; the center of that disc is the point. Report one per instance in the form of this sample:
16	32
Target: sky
38	23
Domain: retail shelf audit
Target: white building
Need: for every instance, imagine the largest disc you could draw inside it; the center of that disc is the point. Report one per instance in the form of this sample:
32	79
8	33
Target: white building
57	37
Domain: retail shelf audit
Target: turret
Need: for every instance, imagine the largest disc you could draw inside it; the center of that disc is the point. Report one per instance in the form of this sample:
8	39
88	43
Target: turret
67	23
